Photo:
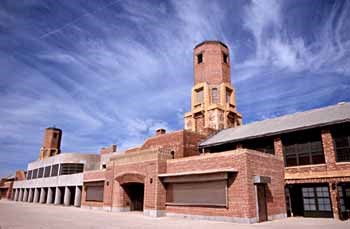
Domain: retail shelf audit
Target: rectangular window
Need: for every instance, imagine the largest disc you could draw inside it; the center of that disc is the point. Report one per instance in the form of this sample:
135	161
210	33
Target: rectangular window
54	171
225	58
199	96
199	58
35	174
47	171
316	199
303	148
71	168
29	175
210	193
228	95
264	145
341	139
94	191
41	172
214	96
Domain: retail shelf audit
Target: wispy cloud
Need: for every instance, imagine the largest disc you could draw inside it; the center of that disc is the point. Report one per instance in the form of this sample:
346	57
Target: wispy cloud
114	71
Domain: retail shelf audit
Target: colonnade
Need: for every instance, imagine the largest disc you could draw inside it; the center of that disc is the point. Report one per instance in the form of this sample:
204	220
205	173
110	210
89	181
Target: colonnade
66	195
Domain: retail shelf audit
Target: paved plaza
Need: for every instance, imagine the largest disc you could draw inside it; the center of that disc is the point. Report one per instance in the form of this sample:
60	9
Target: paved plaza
24	215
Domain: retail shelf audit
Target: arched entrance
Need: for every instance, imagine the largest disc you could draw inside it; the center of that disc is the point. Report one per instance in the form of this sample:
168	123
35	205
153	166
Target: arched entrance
135	195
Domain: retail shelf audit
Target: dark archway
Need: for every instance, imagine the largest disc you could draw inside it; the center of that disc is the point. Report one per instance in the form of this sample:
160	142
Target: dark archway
135	194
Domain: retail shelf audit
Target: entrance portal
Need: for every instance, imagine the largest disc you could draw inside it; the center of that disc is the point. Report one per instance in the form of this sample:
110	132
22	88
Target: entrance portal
135	193
261	199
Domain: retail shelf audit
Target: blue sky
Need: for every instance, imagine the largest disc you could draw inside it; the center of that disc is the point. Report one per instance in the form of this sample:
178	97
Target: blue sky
107	71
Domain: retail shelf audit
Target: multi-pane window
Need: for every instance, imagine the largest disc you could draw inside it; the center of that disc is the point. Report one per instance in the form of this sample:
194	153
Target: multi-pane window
303	148
214	95
341	137
40	172
264	145
199	58
54	171
29	175
316	198
47	171
199	96
71	168
35	174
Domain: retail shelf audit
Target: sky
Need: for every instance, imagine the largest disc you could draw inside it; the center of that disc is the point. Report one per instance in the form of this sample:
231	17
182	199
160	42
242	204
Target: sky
111	72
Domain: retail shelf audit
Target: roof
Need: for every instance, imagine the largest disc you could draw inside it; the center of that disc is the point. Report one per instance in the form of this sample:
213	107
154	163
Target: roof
325	116
210	42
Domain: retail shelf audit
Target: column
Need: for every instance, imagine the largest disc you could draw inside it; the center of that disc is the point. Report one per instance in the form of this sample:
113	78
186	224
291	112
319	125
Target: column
36	195
16	195
328	149
67	195
49	198
42	196
333	191
278	146
58	196
20	194
77	197
25	195
30	196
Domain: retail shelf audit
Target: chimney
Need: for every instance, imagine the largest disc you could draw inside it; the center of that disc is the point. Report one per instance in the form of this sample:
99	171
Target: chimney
160	131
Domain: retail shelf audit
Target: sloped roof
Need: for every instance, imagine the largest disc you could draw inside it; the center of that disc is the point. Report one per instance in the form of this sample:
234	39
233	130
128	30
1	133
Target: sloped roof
299	121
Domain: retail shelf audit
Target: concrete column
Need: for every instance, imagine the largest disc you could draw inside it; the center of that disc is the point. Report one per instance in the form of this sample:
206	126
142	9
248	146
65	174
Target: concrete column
36	195
67	196
42	196
58	196
20	194
77	197
49	198
25	195
30	195
16	195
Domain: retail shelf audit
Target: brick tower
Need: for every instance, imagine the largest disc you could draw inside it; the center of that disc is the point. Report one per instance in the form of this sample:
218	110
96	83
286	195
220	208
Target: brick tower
213	97
51	143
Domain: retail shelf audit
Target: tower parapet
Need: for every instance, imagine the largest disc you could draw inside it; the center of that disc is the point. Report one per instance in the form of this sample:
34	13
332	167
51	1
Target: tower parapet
213	103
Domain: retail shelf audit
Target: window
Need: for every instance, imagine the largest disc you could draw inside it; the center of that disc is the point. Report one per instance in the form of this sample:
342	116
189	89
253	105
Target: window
35	174
54	171
41	172
47	171
94	191
316	198
228	95
55	135
341	139
199	96
264	145
214	95
303	148
71	168
104	166
209	193
225	58
29	175
199	58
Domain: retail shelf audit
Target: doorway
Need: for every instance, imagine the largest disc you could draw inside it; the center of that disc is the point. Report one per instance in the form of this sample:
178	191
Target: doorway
261	202
135	194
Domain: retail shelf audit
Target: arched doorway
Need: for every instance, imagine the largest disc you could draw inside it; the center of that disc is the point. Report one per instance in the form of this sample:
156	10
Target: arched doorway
135	194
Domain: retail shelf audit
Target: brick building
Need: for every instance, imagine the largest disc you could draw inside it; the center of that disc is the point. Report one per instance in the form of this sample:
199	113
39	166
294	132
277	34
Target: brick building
215	168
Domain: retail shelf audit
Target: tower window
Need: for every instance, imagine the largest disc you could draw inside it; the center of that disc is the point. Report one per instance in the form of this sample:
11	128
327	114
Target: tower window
199	58
214	95
225	57
199	96
55	135
228	96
